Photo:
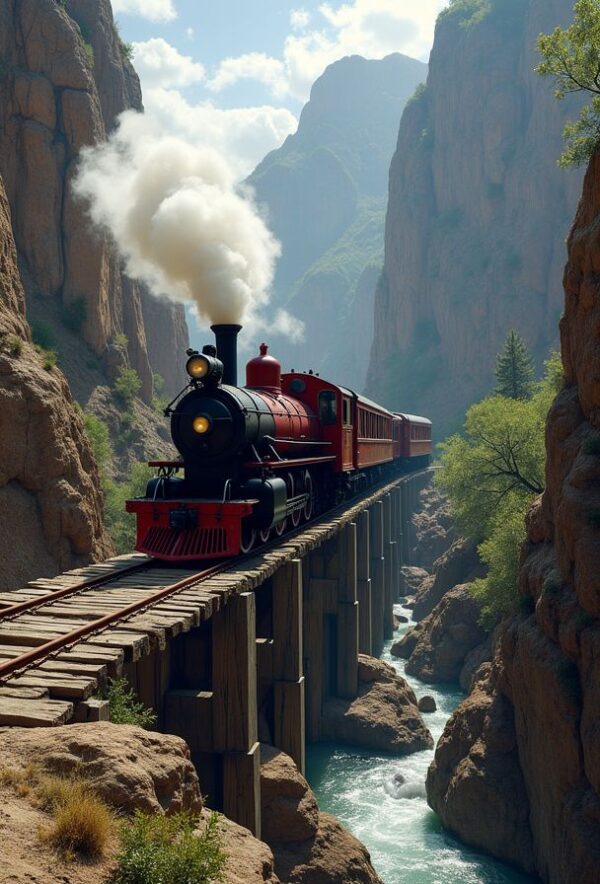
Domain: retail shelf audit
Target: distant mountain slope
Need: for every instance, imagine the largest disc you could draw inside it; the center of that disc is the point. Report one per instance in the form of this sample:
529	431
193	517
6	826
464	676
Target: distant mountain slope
324	191
478	212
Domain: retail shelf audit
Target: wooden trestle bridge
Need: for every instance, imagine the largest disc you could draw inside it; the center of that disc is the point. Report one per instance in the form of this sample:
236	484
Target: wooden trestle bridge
254	643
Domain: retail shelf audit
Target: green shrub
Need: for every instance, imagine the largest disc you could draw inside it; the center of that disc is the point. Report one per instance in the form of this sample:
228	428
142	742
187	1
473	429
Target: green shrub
166	849
89	53
74	314
99	437
49	360
126	49
124	705
15	346
159	400
121	341
127	384
121	524
42	334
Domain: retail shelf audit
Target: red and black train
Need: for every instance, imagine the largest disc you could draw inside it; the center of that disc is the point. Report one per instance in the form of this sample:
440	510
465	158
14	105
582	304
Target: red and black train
263	458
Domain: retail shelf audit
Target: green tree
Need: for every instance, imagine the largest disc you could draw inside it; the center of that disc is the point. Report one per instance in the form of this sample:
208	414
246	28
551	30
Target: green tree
572	57
514	369
491	475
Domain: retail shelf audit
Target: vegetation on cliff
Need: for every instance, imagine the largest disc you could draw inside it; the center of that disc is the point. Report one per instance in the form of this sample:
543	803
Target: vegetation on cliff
492	474
572	56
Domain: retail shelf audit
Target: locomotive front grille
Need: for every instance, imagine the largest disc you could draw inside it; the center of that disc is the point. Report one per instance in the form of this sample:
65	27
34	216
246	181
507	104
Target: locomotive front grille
197	543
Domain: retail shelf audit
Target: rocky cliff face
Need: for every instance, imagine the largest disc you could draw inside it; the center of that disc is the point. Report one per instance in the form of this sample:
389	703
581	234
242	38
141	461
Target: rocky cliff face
478	213
532	719
64	78
50	502
324	192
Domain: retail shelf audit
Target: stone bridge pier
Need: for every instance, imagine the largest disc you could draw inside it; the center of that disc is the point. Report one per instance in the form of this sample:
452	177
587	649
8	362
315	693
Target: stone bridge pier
284	637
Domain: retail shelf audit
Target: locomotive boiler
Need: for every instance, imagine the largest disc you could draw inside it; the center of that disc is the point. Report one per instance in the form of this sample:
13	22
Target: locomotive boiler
262	458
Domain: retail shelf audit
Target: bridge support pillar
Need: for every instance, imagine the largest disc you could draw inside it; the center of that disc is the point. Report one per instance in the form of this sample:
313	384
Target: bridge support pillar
235	716
313	614
390	571
347	613
406	514
363	562
288	678
378	567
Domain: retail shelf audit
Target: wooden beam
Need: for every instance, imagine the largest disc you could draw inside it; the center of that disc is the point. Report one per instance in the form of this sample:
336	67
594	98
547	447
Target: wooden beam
235	717
289	730
241	788
287	622
378	566
189	714
313	650
363	584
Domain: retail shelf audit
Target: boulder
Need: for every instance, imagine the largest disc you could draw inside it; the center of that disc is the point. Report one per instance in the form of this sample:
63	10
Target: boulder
403	647
333	856
445	638
411	578
130	768
249	861
427	704
289	807
459	564
384	715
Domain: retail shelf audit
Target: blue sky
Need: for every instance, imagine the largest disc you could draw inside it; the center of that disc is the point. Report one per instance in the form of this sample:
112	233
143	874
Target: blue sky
237	74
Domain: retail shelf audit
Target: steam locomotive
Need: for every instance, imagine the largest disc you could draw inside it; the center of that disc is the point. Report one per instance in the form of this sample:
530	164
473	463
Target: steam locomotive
260	459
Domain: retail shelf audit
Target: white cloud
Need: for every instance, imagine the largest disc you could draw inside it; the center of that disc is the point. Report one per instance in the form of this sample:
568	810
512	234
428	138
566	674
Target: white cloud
190	33
154	10
160	65
251	66
372	28
242	135
299	19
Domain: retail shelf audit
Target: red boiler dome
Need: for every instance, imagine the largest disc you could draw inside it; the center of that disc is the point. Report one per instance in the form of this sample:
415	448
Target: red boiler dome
264	372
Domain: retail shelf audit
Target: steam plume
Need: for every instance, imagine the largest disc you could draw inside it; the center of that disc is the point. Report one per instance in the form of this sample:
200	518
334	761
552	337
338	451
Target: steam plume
179	222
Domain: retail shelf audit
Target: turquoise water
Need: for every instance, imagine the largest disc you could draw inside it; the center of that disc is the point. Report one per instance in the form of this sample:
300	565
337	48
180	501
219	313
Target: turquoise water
404	837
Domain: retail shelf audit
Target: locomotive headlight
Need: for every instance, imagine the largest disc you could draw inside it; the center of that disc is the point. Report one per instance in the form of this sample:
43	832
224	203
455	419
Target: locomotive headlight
197	367
201	424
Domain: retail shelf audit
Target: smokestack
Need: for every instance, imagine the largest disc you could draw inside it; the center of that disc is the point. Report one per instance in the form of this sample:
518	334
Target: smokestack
226	336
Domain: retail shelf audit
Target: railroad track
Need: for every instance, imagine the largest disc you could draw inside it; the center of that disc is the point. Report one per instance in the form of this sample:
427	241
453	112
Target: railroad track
61	638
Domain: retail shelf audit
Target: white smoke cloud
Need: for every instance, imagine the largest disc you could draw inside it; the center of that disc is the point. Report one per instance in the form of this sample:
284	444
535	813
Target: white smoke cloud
299	19
153	10
160	65
250	66
179	222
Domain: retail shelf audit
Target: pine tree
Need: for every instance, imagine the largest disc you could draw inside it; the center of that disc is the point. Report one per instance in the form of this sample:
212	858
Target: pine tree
514	369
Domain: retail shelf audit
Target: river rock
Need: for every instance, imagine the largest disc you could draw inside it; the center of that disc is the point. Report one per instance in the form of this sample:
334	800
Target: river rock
383	717
333	856
289	807
459	564
483	799
403	647
129	768
445	638
427	704
411	578
249	861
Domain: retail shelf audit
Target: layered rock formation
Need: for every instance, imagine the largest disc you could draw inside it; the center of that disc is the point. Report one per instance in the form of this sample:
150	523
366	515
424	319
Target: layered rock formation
324	193
383	717
533	716
64	78
50	502
478	213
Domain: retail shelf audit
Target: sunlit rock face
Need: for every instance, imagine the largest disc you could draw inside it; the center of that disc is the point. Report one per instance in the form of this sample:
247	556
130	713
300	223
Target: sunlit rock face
50	498
532	718
64	78
478	215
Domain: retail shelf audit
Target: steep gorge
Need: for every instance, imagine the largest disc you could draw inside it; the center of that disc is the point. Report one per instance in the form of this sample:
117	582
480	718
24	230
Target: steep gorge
517	771
65	76
50	502
478	213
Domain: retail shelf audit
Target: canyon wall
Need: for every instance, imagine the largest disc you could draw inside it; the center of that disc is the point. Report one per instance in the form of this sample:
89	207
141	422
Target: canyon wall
64	78
517	771
50	502
324	193
478	213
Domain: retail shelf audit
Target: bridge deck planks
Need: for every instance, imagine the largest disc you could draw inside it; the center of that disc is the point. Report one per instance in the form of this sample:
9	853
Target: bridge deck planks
47	693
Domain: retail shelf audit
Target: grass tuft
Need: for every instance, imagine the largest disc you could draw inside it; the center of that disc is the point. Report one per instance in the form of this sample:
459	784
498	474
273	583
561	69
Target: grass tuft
83	823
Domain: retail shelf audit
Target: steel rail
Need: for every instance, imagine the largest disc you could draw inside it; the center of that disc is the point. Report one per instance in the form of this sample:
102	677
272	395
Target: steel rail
101	580
26	660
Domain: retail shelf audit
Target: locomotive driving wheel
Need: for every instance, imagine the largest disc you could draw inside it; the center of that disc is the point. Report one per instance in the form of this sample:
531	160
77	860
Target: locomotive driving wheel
296	516
248	538
280	527
264	534
308	489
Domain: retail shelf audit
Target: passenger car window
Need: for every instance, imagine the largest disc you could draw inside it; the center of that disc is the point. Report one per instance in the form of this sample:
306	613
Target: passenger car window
327	408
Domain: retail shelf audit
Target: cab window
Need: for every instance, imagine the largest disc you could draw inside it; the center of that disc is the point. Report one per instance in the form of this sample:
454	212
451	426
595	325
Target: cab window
327	408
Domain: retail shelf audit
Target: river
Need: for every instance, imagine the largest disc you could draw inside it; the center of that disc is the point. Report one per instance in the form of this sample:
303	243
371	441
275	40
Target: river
404	837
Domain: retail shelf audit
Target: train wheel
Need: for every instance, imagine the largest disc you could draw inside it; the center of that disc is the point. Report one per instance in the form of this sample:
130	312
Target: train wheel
308	489
248	538
291	486
264	534
280	527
